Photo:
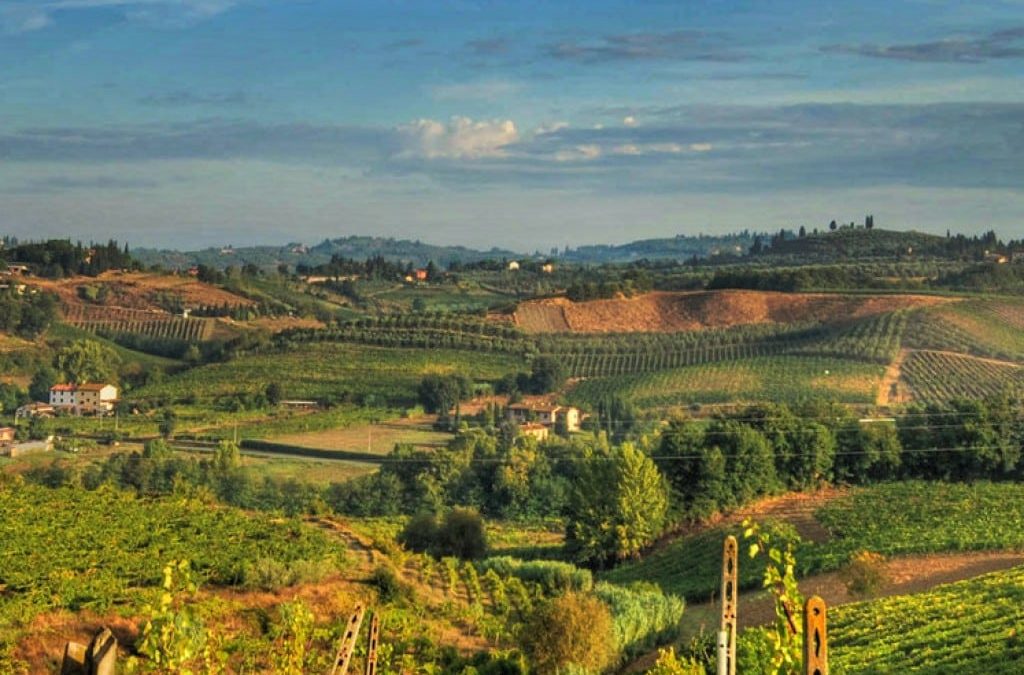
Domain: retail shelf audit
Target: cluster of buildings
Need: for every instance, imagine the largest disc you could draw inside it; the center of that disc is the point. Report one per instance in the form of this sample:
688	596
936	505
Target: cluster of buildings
76	399
541	420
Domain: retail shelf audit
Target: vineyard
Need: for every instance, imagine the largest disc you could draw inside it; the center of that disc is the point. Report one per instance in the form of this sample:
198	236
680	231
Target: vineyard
968	627
774	378
935	377
892	519
79	550
153	324
333	371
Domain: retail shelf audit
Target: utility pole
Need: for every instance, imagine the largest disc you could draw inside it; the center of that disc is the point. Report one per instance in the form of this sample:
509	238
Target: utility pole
727	629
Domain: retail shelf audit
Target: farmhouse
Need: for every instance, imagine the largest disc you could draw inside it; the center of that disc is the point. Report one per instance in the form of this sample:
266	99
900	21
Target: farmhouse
34	410
513	266
547	415
420	274
84	398
547	268
6	435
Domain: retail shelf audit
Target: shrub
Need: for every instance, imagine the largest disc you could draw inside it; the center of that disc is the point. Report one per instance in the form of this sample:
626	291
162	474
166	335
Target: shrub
670	664
865	574
420	533
462	534
268	574
389	587
570	631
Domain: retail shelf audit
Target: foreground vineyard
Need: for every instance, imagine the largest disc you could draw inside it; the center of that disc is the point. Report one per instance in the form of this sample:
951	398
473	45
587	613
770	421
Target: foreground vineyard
970	627
891	519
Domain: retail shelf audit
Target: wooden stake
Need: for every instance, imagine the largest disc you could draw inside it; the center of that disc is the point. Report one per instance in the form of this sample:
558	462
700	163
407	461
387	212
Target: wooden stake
727	629
348	642
815	637
371	652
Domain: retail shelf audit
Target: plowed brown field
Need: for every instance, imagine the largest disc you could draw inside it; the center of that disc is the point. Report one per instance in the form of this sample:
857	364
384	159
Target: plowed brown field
669	311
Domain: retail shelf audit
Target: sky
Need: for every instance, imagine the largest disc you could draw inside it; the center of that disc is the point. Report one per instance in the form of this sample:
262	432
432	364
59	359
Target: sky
525	125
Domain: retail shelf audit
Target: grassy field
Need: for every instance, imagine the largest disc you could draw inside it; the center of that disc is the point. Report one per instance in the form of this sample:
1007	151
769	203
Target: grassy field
968	627
321	370
891	519
378	439
776	378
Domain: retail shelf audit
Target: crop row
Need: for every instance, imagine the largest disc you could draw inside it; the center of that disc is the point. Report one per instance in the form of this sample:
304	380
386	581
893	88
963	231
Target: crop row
935	377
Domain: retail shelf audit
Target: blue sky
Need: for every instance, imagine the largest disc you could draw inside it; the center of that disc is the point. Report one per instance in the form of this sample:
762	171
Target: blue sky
189	123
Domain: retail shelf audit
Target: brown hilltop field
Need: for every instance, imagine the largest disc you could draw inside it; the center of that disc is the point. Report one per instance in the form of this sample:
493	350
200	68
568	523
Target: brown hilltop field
665	311
142	290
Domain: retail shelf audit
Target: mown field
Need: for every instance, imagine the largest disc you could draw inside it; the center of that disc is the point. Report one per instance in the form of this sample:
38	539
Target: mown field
891	519
970	627
776	378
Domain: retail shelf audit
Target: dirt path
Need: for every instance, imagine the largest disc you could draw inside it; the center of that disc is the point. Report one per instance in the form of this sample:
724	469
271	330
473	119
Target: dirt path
905	575
888	389
797	508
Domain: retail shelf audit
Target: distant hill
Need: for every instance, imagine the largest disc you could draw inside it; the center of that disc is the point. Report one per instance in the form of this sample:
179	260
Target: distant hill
859	243
680	247
358	248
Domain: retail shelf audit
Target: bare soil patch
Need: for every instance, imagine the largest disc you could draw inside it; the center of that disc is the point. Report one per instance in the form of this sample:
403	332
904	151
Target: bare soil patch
141	290
889	391
678	311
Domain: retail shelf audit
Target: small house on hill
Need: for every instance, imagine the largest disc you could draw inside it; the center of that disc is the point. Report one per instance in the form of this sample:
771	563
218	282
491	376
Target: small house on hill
547	415
34	410
84	398
513	266
535	430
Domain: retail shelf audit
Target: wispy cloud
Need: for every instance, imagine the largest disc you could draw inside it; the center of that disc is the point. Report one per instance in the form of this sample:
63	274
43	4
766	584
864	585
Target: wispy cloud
488	90
681	45
61	183
184	97
1003	44
22	16
489	46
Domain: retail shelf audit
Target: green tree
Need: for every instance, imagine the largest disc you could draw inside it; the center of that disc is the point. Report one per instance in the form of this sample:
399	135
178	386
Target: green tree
618	507
168	422
547	375
85	361
274	393
44	378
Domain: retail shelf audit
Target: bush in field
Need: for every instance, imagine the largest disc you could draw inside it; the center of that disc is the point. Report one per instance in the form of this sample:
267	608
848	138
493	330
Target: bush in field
268	574
642	616
389	587
670	664
460	534
865	574
570	631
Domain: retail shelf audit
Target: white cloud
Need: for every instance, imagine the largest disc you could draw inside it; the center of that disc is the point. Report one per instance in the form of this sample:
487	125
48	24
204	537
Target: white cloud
460	138
552	128
701	147
629	121
489	90
23	19
579	153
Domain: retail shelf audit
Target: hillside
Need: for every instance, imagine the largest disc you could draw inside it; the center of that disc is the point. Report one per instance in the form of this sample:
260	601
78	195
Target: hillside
688	311
140	291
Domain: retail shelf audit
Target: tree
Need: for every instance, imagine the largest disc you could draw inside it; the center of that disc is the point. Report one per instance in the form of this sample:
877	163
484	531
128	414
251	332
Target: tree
803	232
572	632
833	226
44	378
168	422
227	457
85	361
462	534
440	393
547	375
274	393
618	507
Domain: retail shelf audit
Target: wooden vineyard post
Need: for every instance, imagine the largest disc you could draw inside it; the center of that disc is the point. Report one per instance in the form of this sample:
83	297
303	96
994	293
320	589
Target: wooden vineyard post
348	642
727	629
815	637
371	651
